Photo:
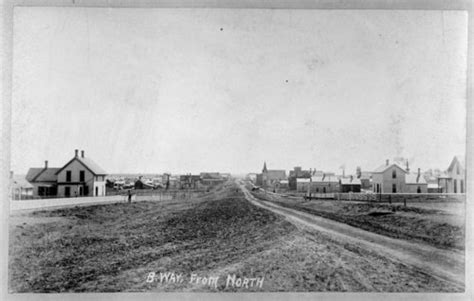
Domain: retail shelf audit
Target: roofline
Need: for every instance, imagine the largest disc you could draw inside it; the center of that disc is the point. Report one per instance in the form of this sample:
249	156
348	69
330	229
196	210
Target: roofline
83	164
393	164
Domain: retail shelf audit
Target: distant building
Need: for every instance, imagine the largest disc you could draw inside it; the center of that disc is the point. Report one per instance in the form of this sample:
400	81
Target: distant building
189	181
415	183
455	176
327	183
143	184
211	178
284	184
302	184
366	180
20	188
297	173
433	188
389	178
350	184
81	177
270	178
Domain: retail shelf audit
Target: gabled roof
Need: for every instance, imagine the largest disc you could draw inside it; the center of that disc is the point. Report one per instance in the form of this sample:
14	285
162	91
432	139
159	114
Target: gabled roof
88	163
383	168
42	174
459	159
414	178
48	175
33	173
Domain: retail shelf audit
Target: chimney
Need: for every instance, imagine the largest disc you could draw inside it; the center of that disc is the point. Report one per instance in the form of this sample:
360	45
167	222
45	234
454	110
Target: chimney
76	153
386	162
419	175
46	164
82	154
408	167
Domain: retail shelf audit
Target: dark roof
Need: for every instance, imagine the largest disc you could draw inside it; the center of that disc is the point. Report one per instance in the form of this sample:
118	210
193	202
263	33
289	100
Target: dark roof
88	163
42	174
48	175
33	173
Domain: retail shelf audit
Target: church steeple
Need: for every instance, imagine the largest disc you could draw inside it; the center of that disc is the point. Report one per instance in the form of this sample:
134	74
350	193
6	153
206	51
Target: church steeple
264	167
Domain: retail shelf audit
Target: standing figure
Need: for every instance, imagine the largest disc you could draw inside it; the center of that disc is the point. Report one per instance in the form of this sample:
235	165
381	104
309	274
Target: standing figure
129	195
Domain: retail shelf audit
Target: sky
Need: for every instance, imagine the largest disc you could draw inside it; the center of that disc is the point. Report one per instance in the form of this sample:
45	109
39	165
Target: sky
193	90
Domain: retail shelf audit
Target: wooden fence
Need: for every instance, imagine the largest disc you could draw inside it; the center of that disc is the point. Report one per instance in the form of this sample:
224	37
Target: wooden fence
391	197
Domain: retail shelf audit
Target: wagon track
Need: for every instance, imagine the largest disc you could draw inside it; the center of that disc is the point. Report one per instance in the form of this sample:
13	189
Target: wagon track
445	265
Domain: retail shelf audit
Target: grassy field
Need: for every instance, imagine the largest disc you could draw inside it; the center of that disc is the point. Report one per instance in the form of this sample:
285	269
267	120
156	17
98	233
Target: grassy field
110	248
440	228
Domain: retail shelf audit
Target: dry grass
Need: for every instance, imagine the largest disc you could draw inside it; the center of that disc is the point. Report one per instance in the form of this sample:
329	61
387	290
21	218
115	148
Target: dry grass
438	228
110	248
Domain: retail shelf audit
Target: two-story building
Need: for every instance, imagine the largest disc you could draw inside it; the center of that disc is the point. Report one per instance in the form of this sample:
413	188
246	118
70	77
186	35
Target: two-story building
454	179
389	178
80	177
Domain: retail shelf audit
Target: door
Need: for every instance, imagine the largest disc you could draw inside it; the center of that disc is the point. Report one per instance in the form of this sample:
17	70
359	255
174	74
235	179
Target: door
67	191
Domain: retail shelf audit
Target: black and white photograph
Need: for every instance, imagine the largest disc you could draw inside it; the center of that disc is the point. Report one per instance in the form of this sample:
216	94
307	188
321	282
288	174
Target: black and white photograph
237	150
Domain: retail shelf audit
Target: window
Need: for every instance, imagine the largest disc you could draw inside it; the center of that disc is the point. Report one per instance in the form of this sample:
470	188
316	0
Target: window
86	190
462	186
82	176
455	184
418	190
324	189
67	191
394	188
41	191
378	188
81	191
68	176
394	174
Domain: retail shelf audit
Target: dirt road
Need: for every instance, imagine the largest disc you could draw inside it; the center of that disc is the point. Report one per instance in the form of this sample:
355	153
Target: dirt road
446	265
